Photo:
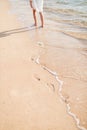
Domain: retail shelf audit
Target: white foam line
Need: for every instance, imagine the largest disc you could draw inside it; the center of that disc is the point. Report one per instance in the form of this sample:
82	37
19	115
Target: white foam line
50	71
75	117
60	94
37	60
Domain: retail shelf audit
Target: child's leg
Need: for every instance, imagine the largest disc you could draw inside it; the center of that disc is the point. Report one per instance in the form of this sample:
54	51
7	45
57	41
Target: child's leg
34	15
42	19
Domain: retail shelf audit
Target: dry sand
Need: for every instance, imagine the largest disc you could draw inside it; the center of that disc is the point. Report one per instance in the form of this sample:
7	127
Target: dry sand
29	98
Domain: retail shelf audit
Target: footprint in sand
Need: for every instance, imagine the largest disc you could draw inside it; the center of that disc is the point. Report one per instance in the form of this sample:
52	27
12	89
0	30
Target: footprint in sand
51	85
37	77
40	44
32	59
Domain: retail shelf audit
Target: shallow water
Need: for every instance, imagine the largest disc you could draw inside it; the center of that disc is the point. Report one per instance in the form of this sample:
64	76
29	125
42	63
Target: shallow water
74	11
69	16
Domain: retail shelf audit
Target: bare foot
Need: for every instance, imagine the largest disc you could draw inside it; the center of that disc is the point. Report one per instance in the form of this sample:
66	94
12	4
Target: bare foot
41	26
33	25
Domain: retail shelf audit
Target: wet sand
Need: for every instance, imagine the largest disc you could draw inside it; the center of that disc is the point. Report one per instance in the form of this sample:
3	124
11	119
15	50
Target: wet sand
68	57
29	93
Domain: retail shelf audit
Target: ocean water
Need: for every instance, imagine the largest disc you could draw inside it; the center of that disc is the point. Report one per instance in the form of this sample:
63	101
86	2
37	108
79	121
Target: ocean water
74	11
68	17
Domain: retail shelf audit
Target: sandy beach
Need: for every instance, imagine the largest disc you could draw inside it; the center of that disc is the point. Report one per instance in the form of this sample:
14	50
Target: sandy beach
33	73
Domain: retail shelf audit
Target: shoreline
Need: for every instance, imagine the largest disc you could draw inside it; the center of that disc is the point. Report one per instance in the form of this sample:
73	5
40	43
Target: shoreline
17	57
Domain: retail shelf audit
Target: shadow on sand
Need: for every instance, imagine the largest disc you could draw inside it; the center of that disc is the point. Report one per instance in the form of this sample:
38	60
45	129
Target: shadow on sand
17	30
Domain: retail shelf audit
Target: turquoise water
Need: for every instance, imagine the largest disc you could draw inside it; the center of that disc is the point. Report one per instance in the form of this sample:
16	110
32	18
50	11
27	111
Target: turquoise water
78	7
73	12
74	5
